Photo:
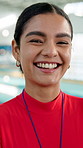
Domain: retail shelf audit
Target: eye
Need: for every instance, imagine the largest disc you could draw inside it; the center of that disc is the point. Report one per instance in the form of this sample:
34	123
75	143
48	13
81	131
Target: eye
36	41
62	42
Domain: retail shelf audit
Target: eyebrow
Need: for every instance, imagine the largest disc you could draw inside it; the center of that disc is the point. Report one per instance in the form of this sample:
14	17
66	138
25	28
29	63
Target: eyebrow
36	33
59	35
63	35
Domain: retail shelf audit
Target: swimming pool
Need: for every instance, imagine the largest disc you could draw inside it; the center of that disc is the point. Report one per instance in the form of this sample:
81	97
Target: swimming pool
12	86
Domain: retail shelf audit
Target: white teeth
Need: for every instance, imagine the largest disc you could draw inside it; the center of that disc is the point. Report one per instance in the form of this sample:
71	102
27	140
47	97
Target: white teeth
50	66
55	65
43	65
46	65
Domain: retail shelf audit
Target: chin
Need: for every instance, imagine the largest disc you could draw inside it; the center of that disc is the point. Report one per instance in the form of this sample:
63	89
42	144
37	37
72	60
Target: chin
48	84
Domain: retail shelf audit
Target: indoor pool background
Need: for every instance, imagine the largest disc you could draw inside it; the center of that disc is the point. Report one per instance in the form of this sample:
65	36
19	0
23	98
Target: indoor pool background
12	86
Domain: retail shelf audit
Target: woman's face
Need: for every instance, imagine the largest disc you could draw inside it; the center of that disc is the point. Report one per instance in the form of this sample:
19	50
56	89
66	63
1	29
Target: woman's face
45	49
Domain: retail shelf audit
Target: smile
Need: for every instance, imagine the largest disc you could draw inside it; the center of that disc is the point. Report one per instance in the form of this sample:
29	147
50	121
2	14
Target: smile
47	65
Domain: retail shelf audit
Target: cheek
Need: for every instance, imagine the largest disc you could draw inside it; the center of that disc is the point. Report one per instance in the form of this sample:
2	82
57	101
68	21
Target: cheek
28	56
69	55
66	57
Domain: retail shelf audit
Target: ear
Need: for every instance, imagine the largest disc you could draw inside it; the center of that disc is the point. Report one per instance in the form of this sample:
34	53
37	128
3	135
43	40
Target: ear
15	50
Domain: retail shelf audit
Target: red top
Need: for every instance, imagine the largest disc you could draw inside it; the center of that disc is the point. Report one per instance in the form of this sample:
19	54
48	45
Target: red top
16	130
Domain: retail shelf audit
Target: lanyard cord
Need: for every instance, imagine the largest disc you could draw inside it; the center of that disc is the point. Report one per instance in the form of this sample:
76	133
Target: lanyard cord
33	125
62	120
31	119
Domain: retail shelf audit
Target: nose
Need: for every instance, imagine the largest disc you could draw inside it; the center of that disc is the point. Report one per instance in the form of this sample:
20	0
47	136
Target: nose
50	50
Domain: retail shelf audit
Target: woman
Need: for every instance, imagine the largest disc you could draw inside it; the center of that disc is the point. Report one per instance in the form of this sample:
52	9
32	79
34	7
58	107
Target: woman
42	115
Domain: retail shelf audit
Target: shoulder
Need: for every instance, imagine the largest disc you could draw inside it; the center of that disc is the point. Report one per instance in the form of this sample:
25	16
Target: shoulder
71	98
73	102
9	106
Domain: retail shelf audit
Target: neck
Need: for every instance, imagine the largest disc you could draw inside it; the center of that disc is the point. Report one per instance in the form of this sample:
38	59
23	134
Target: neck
43	94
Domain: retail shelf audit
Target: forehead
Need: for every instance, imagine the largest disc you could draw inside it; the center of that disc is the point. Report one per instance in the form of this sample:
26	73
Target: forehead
48	23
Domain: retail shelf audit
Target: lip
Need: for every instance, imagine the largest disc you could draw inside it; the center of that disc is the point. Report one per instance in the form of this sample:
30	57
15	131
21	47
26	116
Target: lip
48	62
47	70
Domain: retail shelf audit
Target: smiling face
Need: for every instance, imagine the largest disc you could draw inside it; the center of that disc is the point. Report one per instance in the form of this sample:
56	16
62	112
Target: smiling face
45	49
